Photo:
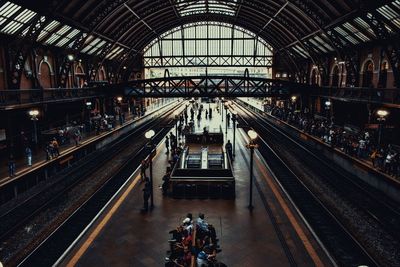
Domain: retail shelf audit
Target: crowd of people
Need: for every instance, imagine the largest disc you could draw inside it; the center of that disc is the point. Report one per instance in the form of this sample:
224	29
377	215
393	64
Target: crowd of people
193	240
174	148
362	145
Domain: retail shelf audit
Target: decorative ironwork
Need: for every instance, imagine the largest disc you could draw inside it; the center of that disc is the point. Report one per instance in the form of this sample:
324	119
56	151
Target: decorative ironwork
211	86
20	50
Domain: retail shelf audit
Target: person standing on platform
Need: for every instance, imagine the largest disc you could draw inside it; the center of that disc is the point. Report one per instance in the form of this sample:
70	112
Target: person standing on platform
165	183
228	119
143	167
28	153
186	117
210	112
167	144
56	147
228	149
11	166
191	114
146	195
206	114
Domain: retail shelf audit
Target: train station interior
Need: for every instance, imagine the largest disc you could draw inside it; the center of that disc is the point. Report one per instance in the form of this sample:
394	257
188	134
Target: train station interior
200	133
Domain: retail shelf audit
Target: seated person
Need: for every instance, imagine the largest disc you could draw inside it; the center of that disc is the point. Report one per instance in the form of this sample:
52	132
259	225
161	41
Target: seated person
205	229
187	225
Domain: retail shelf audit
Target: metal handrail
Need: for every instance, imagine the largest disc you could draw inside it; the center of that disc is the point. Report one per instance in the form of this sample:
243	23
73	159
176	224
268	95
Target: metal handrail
26	96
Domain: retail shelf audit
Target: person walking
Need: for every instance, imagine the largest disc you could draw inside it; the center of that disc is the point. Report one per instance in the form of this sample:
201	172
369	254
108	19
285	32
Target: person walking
228	148
28	153
167	144
11	166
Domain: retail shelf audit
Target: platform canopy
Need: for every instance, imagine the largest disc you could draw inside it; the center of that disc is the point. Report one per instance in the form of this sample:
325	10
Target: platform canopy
113	29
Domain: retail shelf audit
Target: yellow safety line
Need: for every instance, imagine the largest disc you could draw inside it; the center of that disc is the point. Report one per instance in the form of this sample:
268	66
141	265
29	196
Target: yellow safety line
73	261
101	225
299	230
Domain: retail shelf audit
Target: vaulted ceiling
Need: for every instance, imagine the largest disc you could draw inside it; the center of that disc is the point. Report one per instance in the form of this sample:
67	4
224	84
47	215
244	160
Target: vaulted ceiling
301	28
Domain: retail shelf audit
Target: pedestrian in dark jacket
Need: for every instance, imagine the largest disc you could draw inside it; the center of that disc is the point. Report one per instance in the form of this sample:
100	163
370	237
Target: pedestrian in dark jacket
167	143
11	166
146	195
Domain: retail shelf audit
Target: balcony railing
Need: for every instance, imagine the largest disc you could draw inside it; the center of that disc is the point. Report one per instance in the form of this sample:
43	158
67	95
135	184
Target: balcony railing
36	96
376	95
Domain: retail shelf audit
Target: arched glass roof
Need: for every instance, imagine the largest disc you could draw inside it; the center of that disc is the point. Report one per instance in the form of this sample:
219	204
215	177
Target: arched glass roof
119	29
208	44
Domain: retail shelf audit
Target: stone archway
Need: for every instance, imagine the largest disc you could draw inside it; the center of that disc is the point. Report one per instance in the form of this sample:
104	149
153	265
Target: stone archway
79	76
314	79
368	74
45	74
335	76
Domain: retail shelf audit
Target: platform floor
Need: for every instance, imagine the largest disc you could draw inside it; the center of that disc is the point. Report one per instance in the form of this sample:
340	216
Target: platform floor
122	236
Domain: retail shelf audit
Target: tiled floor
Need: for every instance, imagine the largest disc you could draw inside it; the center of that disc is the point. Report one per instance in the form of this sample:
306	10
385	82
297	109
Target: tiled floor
247	238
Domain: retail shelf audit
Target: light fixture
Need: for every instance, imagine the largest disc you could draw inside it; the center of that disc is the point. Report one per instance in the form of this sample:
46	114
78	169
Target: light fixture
382	113
252	134
149	134
119	98
124	67
294	98
33	112
88	103
328	103
70	57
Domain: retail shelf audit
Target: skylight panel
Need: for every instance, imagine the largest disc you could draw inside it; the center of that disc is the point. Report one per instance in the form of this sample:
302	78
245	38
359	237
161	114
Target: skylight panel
47	30
363	24
93	46
323	42
68	38
186	8
390	13
10	13
18	22
356	32
7	10
55	36
346	35
114	52
318	45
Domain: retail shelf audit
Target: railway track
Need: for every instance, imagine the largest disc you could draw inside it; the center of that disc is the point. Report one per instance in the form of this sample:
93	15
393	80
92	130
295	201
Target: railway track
26	212
343	245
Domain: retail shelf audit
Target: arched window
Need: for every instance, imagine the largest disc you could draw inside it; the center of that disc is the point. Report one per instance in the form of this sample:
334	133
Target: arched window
335	76
215	47
368	74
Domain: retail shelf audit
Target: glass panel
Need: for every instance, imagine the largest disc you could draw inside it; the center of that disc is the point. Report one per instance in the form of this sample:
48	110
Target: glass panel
192	7
212	40
20	21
